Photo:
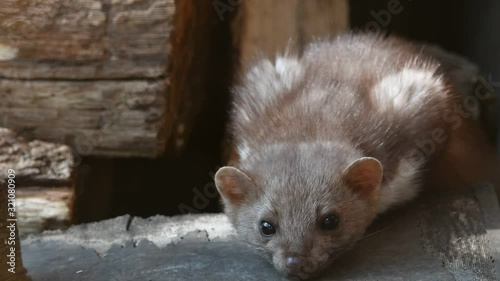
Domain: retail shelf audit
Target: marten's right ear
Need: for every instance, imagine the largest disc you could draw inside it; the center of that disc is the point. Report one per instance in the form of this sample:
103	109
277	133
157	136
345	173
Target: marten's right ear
364	176
232	184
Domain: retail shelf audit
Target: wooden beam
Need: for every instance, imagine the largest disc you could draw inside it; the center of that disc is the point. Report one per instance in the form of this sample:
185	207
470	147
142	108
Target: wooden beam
268	27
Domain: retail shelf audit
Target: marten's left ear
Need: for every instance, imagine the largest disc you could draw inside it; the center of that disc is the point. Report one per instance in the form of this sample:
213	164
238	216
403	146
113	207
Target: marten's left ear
233	185
364	176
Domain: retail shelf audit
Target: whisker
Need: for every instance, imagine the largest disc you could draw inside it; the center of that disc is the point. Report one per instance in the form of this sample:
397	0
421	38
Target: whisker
374	233
255	245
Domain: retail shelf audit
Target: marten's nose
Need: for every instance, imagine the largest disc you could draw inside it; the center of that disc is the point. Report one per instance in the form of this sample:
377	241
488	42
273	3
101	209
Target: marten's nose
294	264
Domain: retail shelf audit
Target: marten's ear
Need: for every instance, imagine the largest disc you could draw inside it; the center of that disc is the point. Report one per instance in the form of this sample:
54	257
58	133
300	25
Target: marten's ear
364	176
233	184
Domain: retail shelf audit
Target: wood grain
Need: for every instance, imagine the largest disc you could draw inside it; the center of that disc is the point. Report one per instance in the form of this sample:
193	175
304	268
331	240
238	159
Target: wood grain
85	39
88	73
44	208
45	181
269	27
94	117
35	162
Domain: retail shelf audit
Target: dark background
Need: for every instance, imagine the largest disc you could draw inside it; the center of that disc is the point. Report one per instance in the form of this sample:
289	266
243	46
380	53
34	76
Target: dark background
166	186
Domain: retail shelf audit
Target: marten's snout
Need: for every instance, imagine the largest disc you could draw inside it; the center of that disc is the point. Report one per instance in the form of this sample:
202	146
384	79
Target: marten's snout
294	264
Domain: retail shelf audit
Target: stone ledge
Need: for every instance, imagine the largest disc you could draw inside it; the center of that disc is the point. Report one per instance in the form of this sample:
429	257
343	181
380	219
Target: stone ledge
439	237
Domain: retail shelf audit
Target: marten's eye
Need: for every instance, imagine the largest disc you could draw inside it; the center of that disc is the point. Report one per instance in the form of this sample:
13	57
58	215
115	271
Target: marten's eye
330	222
267	229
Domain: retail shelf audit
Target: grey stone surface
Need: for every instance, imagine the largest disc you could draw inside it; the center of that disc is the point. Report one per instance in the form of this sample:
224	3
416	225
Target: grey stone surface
440	237
490	209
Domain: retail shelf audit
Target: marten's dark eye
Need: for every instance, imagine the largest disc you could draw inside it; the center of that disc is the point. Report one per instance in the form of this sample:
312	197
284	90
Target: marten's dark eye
267	229
330	222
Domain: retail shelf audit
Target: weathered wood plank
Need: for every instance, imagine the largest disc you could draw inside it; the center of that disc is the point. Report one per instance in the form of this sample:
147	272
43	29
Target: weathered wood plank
36	162
96	142
260	29
123	118
84	39
43	208
87	69
44	181
118	70
322	19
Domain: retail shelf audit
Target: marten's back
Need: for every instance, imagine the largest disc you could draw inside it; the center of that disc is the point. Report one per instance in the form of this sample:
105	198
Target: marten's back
379	94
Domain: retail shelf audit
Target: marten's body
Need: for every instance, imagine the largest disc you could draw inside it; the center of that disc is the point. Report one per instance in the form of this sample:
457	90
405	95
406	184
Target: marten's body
328	140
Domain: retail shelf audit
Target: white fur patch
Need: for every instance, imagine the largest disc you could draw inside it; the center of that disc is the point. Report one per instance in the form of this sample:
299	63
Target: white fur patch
289	69
405	88
243	151
403	186
265	83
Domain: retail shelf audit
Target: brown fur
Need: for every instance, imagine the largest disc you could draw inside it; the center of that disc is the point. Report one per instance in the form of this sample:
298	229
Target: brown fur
308	131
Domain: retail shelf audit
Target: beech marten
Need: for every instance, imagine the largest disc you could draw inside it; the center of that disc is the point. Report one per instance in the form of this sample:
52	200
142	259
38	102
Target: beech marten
327	140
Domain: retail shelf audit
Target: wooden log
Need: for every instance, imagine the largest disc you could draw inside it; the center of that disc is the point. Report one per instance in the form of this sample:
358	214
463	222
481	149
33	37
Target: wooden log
88	73
44	181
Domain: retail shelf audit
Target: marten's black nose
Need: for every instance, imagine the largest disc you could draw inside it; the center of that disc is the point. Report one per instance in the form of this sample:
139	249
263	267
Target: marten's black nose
294	264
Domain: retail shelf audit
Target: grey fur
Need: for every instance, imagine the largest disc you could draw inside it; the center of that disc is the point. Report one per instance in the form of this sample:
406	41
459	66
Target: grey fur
299	122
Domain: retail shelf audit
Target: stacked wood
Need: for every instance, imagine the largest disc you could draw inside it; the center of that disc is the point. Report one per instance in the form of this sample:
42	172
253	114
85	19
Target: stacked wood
44	181
88	73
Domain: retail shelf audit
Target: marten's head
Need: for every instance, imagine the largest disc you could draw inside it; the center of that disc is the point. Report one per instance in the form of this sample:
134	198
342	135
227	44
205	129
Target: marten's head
301	204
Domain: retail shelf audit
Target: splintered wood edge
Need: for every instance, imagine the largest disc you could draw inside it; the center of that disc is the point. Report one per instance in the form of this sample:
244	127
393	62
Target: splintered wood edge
37	162
41	208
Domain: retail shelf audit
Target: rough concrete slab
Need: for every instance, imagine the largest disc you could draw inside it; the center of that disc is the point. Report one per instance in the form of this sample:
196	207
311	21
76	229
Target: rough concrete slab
163	230
99	237
491	212
440	237
454	231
